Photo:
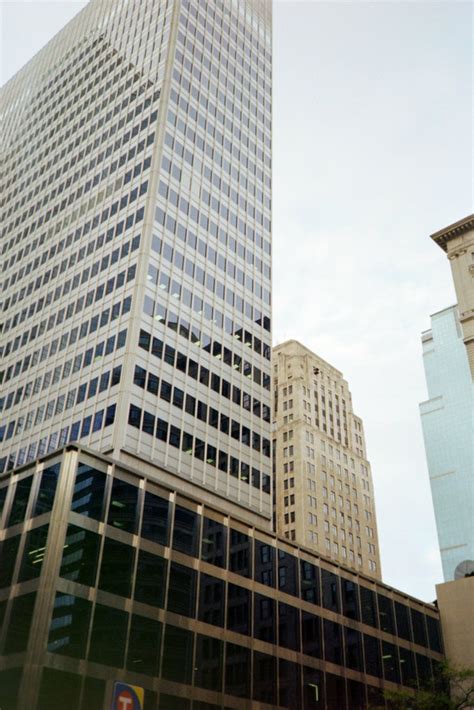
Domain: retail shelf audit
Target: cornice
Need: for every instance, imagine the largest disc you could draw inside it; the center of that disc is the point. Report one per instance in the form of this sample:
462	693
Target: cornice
454	230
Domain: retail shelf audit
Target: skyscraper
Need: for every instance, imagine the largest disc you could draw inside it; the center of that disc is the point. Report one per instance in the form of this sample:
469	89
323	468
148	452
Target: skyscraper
136	279
324	490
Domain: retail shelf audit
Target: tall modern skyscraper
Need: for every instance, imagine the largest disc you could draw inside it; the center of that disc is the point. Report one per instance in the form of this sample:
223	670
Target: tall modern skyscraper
136	245
324	491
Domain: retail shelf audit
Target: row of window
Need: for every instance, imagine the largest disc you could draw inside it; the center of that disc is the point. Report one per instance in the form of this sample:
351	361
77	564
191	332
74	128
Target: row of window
60	372
65	401
200	410
202	374
192	445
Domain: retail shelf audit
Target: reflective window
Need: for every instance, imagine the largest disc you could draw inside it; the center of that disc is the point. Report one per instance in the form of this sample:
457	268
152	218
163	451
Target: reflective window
8	553
264	563
353	643
419	629
209	662
105	647
80	556
89	490
390	662
177	654
239	609
407	667
289	690
33	554
423	665
93	693
240	560
47	490
402	616
150	579
434	634
123	506
18	630
264	675
335	691
182	590
69	625
330	590
288	626
20	501
264	618
211	600
313	689
368	607
155	519
350	599
309	582
144	645
59	689
373	660
3	495
356	695
386	614
214	540
287	573
185	531
312	634
116	570
332	642
237	670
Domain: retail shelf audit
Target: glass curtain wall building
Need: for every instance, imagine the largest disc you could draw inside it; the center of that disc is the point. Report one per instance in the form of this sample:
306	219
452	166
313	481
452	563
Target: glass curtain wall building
107	575
447	421
136	279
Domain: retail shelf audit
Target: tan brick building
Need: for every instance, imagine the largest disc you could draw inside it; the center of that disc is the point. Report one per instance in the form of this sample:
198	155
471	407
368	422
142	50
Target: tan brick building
323	485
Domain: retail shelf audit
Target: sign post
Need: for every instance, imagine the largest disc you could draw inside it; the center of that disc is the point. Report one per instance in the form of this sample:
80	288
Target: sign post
127	697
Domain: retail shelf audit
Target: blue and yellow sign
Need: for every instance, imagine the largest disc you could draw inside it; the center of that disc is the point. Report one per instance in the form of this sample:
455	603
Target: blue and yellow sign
127	697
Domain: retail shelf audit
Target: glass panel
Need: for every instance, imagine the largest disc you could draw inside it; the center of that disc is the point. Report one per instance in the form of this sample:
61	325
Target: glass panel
240	560
155	519
123	506
423	665
89	489
117	568
239	609
108	648
402	616
390	662
8	552
10	681
264	676
237	670
264	618
287	573
177	654
313	689
69	626
310	582
47	490
214	543
386	614
21	615
368	607
335	691
312	634
356	695
209	662
144	645
289	678
288	626
407	667
419	629
264	563
20	501
353	649
434	634
330	587
80	556
93	693
350	599
33	554
3	495
211	600
186	531
58	690
182	590
172	702
373	661
332	642
150	579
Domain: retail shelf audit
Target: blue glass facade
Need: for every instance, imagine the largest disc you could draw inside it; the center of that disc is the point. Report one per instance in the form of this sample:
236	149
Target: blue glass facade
447	420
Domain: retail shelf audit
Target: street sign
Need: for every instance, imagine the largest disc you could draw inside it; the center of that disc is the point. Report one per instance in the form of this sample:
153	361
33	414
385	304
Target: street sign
127	697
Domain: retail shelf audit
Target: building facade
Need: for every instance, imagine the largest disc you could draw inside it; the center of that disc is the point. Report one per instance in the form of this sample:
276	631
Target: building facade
447	422
136	244
324	495
108	575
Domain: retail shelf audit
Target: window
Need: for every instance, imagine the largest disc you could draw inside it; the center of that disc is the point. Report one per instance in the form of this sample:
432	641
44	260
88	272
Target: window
107	648
177	654
182	590
89	489
155	519
123	506
144	645
209	663
69	625
47	490
80	556
117	568
150	579
186	531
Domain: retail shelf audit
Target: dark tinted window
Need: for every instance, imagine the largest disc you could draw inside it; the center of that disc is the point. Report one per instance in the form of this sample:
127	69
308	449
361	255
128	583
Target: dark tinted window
356	695
419	629
289	692
350	599
373	661
8	552
288	626
237	670
177	654
353	644
21	615
20	501
10	680
93	693
239	608
332	642
33	553
264	563
330	588
89	489
335	692
240	553
209	662
186	531
264	675
80	556
106	647
313	689
287	573
144	645
182	590
69	626
214	539
312	635
47	489
403	621
117	568
386	614
211	600
58	690
434	634
309	575
123	506
150	579
390	662
407	667
423	665
3	495
368	607
264	618
155	519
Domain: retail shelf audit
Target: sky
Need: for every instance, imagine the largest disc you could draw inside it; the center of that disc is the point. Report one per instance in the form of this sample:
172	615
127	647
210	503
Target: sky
372	153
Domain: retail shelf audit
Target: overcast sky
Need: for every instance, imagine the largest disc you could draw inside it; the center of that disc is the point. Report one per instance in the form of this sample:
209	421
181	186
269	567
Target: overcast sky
372	153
